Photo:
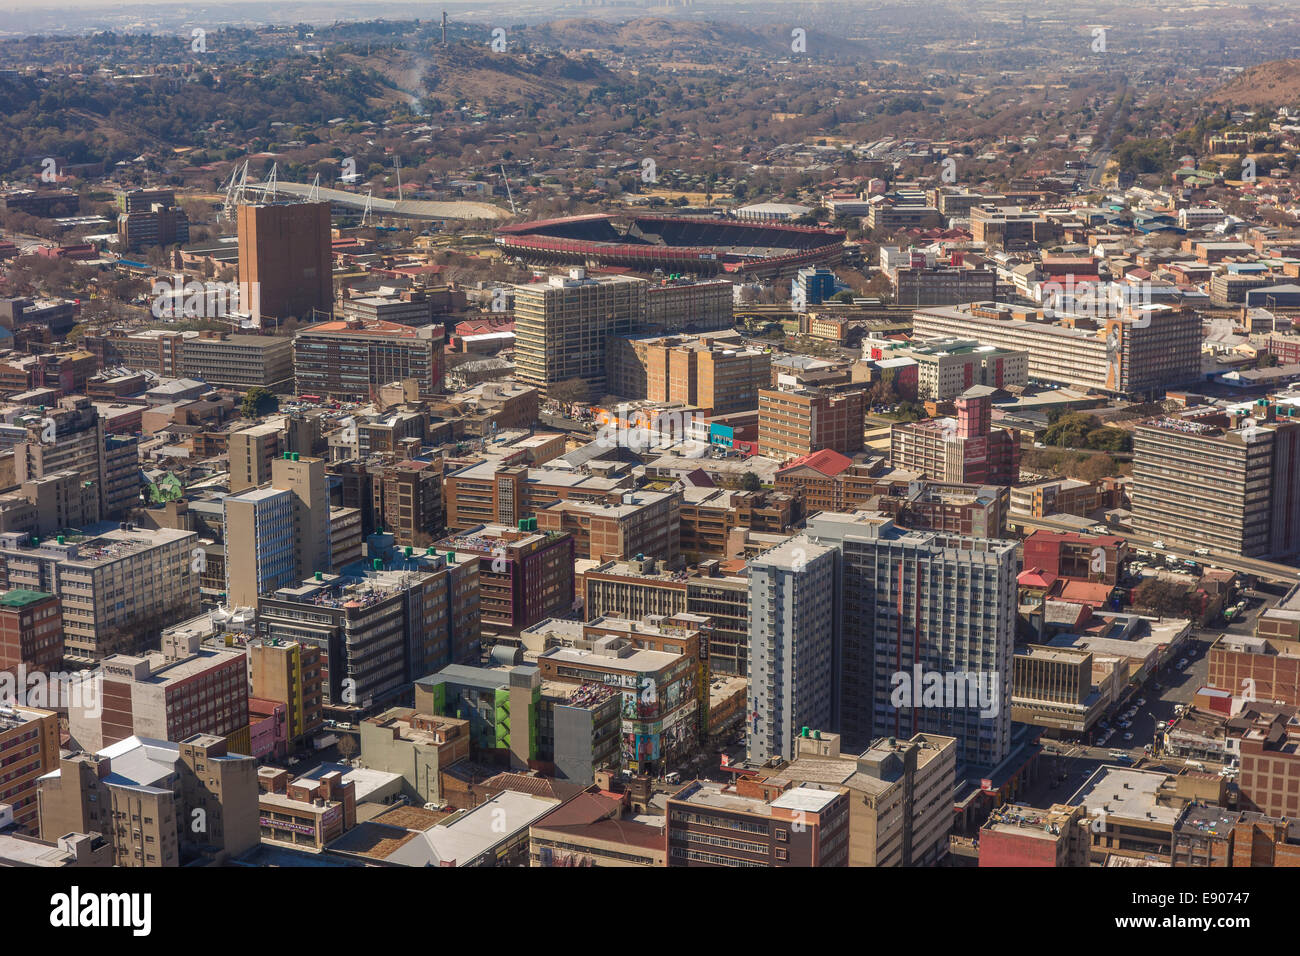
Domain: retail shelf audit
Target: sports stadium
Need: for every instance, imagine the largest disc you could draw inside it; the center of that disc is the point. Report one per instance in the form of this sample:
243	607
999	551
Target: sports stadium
682	244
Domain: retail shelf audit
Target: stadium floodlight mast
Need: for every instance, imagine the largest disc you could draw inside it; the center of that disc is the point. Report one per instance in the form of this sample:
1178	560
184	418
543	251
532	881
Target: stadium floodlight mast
235	191
510	197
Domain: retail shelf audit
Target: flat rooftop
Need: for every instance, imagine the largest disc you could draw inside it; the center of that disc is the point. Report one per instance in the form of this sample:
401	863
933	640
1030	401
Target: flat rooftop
718	797
1129	794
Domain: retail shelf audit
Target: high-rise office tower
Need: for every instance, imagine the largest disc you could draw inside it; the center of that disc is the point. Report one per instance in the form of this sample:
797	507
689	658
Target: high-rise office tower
285	259
1226	482
277	536
561	326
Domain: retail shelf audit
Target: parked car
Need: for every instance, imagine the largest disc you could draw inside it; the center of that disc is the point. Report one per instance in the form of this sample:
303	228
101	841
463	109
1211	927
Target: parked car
1128	736
1182	662
1158	544
1141	701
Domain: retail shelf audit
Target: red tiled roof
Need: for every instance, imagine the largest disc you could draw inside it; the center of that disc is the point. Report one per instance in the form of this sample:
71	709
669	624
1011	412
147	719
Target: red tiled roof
828	461
1035	578
1086	592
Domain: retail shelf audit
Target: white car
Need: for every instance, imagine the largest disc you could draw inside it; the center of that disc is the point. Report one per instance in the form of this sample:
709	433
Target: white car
1128	736
1158	544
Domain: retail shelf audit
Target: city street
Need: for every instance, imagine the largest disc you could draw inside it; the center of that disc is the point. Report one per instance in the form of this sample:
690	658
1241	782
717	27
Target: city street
1066	766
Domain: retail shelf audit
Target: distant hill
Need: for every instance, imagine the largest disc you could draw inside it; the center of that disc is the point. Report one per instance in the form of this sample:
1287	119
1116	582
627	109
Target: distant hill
1276	83
682	39
476	74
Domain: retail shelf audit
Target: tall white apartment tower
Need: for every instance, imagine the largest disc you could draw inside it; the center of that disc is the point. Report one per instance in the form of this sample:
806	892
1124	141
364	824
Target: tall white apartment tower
793	651
928	633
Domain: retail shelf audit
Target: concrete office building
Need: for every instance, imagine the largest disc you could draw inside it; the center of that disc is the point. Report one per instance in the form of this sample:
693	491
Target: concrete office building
118	587
928	633
496	492
158	804
162	224
284	253
660	692
799	421
346	539
31	632
444	612
120	483
640	522
693	305
757	823
1225	482
1141	352
408	502
239	361
1053	687
405	307
501	704
561	326
182	690
278	535
29	749
900	793
351	359
251	451
713	374
218	358
965	449
794	652
55	502
919	286
580	729
261	546
290	673
524	576
1011	227
417	746
77	444
948	367
371	632
642	588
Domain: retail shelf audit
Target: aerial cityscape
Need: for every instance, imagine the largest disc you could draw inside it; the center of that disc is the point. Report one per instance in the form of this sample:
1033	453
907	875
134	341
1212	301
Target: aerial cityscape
620	433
